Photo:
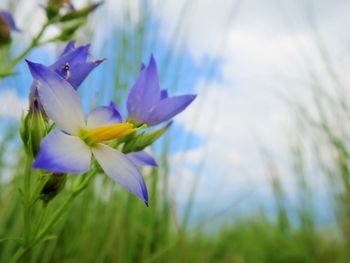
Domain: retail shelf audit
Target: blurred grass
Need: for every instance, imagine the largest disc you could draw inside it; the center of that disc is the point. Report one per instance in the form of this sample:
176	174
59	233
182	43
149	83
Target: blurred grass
106	224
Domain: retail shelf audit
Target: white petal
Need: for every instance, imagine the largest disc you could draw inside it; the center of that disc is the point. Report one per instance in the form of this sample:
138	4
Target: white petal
59	99
121	169
63	153
104	115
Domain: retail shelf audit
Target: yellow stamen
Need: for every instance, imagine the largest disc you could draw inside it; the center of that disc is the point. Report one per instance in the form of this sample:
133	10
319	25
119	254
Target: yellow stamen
110	132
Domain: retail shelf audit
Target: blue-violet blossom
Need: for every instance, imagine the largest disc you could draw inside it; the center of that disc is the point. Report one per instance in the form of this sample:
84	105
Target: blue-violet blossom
72	65
148	104
69	150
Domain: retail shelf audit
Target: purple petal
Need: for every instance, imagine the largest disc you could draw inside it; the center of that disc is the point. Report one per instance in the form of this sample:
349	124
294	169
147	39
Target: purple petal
72	65
142	158
58	98
80	71
9	20
145	94
63	153
69	47
121	170
168	108
104	115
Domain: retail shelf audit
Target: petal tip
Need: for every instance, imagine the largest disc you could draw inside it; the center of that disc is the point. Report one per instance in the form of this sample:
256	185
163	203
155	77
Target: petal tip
34	68
99	61
192	96
152	62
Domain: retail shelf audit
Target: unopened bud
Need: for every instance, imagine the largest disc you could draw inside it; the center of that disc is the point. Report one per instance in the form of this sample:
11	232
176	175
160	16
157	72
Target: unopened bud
5	36
80	13
34	128
68	32
54	7
53	186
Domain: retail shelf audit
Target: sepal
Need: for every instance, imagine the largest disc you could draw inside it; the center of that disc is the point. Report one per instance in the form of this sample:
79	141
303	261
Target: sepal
139	142
34	128
68	32
54	7
53	186
80	13
5	36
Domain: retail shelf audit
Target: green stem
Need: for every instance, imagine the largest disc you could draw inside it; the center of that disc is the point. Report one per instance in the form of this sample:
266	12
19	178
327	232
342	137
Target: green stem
85	181
59	212
26	200
39	187
26	211
41	218
34	43
41	233
56	216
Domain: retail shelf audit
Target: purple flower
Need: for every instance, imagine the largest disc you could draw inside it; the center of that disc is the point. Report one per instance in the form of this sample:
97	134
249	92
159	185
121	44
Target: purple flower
8	19
72	65
7	24
69	149
148	104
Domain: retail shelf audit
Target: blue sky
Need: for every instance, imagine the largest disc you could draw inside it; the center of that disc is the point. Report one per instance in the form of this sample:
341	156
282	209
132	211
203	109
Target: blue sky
260	57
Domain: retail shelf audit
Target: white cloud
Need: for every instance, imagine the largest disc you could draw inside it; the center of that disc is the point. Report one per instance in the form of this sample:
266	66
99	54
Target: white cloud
263	56
203	23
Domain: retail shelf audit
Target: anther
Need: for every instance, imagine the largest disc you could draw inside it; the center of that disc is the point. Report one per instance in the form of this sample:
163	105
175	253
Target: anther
66	71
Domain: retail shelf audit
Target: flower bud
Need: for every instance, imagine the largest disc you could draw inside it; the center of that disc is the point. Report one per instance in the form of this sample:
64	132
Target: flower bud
141	141
7	24
53	186
68	32
34	127
80	13
5	37
54	6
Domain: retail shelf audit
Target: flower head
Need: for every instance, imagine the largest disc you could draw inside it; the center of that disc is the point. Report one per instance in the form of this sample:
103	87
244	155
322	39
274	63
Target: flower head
54	6
72	65
7	24
148	104
69	150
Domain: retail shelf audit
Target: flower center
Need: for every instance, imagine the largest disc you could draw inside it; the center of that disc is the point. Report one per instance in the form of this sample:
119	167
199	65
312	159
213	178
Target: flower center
107	133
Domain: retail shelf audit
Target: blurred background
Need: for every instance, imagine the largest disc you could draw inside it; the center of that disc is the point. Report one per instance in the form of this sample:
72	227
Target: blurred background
257	169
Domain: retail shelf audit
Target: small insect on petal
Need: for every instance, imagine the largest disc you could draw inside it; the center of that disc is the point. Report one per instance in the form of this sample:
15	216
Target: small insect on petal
110	132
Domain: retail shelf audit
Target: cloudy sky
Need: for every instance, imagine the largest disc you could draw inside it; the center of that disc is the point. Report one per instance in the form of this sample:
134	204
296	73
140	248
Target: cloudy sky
263	51
266	51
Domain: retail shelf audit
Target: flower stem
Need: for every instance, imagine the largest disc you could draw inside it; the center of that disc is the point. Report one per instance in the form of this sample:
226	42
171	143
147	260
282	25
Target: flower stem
40	233
41	218
56	216
59	212
34	43
26	211
26	200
